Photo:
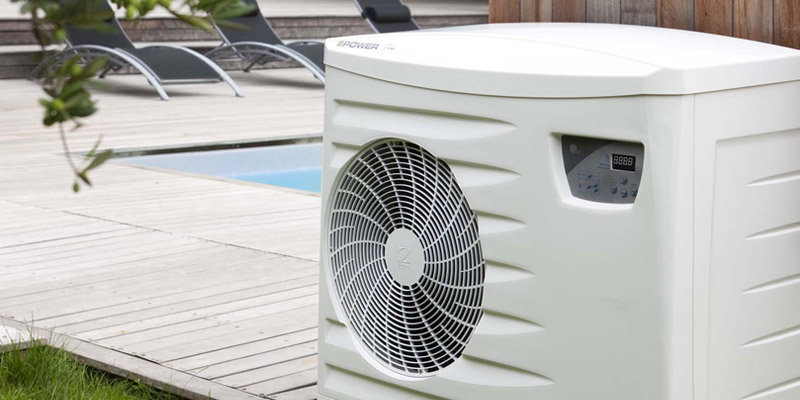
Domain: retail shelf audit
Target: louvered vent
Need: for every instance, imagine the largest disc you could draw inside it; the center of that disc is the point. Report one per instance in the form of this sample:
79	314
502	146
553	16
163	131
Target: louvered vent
405	257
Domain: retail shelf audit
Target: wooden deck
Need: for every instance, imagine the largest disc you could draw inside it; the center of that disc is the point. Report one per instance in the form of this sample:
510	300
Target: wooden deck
194	283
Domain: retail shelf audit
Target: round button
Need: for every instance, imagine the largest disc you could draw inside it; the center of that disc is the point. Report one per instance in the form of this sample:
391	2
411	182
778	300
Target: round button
623	193
634	192
623	180
613	188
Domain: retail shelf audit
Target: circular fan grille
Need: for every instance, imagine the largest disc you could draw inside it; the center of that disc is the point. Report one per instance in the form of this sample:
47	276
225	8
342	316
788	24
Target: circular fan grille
405	257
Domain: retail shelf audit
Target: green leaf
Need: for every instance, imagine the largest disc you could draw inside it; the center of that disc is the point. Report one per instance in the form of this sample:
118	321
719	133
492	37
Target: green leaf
59	35
197	22
98	160
71	88
76	70
83	109
97	84
94	148
76	187
77	99
67	66
84	178
94	66
58	104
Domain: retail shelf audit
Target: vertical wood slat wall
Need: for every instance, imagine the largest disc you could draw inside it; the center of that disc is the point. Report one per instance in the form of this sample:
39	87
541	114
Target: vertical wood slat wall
771	21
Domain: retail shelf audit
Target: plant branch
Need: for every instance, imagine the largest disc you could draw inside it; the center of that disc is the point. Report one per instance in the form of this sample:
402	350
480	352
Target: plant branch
65	146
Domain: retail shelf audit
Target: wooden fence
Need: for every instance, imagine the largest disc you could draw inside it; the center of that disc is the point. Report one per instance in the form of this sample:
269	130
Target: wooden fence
772	21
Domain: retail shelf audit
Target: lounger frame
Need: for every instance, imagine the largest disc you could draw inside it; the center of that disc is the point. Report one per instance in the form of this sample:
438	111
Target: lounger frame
119	58
257	52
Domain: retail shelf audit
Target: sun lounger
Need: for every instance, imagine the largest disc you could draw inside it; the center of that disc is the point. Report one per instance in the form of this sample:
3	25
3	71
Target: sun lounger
259	43
160	64
386	16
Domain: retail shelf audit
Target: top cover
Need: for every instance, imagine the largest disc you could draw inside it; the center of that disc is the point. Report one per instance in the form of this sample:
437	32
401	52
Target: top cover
564	60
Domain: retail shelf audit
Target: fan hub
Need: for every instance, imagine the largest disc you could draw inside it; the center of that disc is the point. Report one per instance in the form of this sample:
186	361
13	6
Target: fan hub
404	256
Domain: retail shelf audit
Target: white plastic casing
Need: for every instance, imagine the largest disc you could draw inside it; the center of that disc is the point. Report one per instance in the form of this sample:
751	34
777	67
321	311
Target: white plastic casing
691	292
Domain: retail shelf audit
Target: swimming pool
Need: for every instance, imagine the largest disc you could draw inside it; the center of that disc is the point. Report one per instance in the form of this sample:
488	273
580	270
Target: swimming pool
296	166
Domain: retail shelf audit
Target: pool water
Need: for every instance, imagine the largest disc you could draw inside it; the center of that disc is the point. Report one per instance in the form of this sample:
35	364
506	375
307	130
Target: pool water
295	166
309	179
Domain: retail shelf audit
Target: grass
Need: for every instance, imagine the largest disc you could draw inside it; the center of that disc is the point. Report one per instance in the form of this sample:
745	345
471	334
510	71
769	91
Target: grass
46	373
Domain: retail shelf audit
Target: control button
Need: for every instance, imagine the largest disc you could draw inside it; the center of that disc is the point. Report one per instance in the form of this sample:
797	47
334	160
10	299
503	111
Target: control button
634	192
623	193
613	188
623	180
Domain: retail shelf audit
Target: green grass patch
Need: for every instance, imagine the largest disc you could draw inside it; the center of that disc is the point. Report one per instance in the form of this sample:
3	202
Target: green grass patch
46	373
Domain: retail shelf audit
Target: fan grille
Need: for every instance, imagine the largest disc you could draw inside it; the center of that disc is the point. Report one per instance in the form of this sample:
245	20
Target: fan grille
419	323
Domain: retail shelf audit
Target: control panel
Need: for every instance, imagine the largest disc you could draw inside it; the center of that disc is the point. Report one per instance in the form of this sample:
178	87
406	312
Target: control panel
605	171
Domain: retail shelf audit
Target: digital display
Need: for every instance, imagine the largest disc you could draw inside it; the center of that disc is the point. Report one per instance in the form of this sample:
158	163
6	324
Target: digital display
623	162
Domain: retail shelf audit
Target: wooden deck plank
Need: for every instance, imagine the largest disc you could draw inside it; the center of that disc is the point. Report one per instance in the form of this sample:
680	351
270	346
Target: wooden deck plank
185	385
34	250
82	278
236	369
254	329
190	294
53	232
23	277
271	320
270	372
306	393
283	384
231	354
14	339
121	291
143	329
167	212
144	245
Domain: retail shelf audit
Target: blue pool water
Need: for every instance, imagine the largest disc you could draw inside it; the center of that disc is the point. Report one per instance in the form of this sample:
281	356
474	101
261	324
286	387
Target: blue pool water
296	166
309	179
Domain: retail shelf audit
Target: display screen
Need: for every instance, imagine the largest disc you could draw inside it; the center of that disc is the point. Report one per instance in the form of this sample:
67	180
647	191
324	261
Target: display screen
623	162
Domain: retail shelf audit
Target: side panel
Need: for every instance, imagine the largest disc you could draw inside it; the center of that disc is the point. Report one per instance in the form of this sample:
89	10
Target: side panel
583	300
748	243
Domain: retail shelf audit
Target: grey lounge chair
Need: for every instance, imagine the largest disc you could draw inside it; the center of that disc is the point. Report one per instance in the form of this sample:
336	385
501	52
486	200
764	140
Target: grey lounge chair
160	64
385	16
259	43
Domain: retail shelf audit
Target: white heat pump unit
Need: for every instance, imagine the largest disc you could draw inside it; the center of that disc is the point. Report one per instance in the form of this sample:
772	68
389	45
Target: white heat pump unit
560	212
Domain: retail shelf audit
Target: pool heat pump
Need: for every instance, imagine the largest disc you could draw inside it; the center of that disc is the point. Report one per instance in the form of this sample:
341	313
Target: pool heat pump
560	212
